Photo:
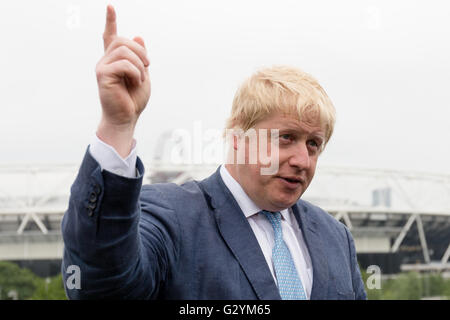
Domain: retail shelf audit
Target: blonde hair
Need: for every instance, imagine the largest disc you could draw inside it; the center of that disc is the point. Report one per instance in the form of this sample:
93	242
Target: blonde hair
282	89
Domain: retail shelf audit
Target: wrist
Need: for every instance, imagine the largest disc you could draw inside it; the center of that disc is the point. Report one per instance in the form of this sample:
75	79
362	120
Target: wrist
120	137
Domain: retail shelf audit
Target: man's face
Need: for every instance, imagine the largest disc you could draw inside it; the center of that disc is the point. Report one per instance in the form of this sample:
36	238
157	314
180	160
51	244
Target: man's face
298	149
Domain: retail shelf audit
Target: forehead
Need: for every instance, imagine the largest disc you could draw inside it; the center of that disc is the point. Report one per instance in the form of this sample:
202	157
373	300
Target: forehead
291	122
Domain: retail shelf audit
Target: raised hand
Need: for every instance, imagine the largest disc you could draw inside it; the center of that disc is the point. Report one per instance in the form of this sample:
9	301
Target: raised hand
123	84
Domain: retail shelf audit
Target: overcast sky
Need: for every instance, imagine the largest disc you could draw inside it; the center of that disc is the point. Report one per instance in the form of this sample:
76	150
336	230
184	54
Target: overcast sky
384	64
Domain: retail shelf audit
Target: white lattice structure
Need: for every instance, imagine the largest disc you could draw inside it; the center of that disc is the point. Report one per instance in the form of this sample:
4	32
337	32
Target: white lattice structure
32	202
387	211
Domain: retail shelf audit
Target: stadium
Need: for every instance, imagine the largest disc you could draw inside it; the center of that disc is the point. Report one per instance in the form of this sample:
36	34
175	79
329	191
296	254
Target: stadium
400	220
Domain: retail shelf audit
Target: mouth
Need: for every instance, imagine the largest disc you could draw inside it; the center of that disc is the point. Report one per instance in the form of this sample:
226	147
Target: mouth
291	182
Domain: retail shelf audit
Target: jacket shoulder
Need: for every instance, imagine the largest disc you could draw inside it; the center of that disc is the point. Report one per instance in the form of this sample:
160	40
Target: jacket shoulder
321	217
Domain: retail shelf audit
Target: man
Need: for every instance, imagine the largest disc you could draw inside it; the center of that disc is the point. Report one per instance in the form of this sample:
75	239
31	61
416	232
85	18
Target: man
242	233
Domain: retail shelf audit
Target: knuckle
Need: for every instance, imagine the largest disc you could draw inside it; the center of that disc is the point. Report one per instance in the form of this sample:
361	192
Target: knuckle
99	72
123	50
127	64
122	62
119	41
114	44
141	49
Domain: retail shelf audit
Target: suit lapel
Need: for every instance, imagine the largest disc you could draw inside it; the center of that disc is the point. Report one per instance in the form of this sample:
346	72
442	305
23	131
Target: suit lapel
316	250
239	237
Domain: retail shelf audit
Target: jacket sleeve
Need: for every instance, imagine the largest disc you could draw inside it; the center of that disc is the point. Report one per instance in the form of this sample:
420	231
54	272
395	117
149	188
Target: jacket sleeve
117	254
358	284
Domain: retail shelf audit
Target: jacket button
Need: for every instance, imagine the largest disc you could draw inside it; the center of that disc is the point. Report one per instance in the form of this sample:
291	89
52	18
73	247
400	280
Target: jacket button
91	206
93	197
97	189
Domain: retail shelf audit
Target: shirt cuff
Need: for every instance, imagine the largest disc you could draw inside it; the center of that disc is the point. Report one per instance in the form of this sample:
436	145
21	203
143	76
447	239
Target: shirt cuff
110	160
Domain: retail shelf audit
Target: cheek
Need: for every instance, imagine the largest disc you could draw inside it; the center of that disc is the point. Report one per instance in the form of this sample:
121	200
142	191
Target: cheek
253	176
263	183
283	161
312	169
283	156
310	176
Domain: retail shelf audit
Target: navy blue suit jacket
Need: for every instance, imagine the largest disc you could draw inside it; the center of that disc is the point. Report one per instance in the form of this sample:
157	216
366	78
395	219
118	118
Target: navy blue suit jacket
165	241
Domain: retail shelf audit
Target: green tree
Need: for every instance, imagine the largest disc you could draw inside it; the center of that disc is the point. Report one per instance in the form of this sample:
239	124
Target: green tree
50	289
433	285
373	293
407	286
446	290
15	282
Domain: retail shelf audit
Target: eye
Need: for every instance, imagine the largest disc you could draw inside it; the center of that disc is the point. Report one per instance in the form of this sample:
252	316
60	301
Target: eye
286	137
314	144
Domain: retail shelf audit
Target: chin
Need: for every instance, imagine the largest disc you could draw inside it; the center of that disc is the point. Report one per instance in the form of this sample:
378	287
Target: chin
282	204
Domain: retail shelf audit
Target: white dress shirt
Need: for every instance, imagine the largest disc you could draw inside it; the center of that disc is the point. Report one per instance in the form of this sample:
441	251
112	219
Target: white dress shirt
110	160
263	231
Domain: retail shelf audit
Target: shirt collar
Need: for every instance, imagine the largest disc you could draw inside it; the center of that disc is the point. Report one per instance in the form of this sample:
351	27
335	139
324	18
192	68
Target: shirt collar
248	207
246	204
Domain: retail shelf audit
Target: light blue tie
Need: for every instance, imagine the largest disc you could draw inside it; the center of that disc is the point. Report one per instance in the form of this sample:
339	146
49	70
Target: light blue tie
289	283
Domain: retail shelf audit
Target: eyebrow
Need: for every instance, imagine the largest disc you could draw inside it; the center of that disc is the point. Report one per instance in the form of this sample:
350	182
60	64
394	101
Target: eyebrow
319	134
315	133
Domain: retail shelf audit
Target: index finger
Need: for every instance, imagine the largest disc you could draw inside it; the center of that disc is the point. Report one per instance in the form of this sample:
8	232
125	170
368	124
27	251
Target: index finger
110	27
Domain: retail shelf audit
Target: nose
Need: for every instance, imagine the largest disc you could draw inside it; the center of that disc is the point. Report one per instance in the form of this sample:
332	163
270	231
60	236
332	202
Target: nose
300	156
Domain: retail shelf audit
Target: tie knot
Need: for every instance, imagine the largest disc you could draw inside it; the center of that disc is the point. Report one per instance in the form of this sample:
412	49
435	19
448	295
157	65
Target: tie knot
273	217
